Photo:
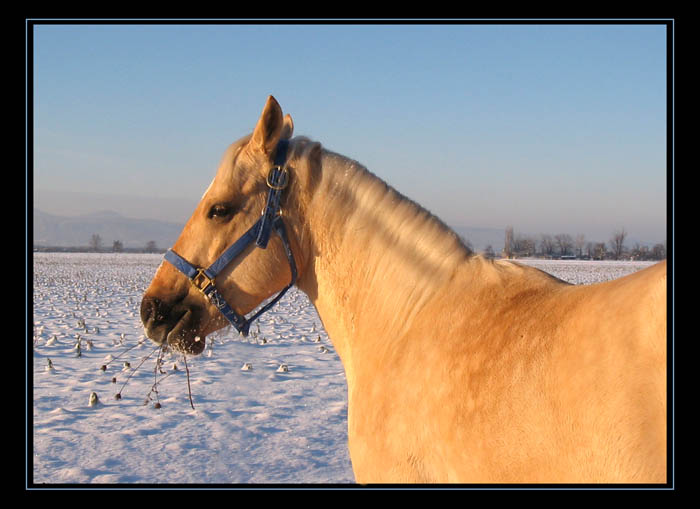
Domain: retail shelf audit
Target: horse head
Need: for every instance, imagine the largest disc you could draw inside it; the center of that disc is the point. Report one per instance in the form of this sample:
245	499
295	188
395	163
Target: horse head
209	278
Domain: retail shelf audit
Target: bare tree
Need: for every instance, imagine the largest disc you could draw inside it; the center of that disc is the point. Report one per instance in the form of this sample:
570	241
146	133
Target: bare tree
617	243
640	252
151	246
599	250
564	243
580	243
508	244
488	252
658	252
117	246
547	245
523	246
95	242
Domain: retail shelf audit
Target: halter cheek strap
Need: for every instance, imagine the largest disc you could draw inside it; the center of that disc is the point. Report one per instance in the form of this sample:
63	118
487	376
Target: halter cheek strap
259	233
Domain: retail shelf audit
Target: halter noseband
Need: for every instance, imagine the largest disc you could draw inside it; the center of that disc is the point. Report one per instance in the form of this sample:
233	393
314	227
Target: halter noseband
271	219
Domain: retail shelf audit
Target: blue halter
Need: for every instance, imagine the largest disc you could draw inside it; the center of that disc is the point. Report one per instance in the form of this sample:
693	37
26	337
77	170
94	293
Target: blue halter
271	219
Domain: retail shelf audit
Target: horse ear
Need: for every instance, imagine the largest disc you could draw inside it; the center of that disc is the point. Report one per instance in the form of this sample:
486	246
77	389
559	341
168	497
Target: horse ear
287	128
269	127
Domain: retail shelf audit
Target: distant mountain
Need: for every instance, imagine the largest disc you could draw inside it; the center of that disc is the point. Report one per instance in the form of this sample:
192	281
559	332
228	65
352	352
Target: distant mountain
63	231
76	231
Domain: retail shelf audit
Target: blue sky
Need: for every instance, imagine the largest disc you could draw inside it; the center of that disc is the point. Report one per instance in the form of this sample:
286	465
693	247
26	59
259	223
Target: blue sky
548	128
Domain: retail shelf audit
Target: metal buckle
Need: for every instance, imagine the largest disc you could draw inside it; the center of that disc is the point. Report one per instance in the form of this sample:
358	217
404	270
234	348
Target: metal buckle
278	186
201	281
277	213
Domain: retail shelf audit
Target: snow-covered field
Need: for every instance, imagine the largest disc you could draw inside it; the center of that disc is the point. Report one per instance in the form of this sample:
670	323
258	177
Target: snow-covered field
262	425
584	272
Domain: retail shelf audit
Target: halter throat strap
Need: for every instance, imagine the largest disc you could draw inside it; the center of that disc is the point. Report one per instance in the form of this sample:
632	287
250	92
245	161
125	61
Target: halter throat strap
259	233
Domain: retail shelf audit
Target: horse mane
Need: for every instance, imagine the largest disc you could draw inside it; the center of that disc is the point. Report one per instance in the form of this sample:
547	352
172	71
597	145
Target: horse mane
386	238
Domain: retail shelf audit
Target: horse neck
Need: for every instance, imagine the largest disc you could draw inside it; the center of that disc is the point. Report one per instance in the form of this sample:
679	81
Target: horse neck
376	257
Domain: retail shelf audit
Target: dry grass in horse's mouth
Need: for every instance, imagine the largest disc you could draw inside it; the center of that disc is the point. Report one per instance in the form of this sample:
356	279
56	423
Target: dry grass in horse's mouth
157	370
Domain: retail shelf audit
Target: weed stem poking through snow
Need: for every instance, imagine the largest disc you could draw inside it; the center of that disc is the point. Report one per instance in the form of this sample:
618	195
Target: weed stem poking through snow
104	366
189	389
119	394
157	368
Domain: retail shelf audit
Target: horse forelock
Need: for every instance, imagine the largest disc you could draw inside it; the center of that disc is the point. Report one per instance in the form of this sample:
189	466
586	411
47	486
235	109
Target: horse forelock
226	163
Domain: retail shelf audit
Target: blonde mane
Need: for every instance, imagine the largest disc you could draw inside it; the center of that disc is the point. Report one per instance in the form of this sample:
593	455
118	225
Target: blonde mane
392	241
399	220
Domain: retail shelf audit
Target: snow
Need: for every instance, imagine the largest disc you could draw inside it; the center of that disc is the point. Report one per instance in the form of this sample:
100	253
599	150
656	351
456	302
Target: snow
271	408
586	272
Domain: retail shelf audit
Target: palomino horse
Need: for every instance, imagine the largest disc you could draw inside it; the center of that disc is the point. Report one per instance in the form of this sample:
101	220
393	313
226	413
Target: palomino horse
459	369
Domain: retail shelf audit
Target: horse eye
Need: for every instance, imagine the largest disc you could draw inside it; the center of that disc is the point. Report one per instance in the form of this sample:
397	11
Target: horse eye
220	211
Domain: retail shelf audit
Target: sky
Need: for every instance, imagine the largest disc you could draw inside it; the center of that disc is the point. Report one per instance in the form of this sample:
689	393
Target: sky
547	128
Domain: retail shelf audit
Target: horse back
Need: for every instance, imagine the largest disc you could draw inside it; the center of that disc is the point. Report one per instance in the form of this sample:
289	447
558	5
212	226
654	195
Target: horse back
575	382
610	373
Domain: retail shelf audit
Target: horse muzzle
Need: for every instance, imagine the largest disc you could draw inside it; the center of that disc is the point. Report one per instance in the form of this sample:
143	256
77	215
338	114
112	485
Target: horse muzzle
176	324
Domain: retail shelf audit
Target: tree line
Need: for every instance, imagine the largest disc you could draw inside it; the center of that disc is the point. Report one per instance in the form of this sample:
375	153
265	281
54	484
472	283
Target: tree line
95	245
568	246
515	246
118	246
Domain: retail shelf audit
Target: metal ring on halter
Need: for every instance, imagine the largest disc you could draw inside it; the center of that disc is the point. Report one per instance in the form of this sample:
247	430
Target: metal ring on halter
278	213
282	173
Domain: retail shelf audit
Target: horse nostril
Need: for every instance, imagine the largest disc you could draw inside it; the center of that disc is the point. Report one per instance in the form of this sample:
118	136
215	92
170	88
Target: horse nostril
155	317
150	311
